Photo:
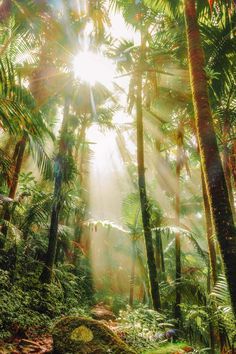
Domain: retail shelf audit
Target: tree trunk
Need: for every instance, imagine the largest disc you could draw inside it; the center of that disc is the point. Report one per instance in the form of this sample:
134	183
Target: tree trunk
79	157
157	249
177	217
46	275
154	286
227	172
132	274
212	272
209	232
233	162
159	255
53	233
209	153
18	156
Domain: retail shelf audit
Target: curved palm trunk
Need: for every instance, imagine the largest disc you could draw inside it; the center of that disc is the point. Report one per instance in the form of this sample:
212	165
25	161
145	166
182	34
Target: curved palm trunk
18	158
209	232
154	286
46	275
209	153
212	273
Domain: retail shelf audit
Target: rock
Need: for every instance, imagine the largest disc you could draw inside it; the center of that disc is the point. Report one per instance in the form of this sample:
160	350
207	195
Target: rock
102	312
79	335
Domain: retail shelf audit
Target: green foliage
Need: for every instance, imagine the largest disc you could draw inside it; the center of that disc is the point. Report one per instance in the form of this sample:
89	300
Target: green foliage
28	306
196	323
142	325
29	55
168	348
18	312
223	312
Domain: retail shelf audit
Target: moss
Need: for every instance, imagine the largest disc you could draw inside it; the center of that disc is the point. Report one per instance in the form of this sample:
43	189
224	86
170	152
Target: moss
79	335
82	334
168	349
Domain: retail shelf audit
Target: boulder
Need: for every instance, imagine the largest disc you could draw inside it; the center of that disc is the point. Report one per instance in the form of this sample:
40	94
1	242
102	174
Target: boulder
80	335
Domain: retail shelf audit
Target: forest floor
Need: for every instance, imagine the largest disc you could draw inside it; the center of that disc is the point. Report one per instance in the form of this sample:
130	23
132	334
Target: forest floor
43	344
40	345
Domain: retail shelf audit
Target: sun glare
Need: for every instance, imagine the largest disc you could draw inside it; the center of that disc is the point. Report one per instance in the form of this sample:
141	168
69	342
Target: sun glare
93	67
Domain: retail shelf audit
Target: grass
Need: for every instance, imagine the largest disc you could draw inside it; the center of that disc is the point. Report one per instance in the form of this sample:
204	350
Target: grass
167	348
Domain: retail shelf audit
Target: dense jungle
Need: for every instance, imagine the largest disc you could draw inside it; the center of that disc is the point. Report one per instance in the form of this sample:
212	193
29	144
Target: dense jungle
117	176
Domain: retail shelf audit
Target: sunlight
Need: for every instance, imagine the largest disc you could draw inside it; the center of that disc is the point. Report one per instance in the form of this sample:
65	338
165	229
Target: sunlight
93	67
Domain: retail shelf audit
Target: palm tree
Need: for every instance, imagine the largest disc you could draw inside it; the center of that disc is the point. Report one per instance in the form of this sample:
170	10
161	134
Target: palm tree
144	200
210	158
19	118
209	153
136	99
179	163
60	168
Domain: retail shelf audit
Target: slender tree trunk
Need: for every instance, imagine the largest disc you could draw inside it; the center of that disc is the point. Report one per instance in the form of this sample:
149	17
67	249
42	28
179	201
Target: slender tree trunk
132	275
227	161
46	275
53	232
212	273
163	268
211	326
233	162
159	255
209	232
209	153
154	286
177	217
18	156
79	215
227	172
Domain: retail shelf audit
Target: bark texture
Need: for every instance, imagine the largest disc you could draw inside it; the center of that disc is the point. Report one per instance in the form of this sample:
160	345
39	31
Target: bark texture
154	286
209	230
46	274
179	162
209	153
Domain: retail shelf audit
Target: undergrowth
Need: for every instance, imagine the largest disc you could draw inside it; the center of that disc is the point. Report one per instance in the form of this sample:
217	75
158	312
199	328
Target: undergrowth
28	306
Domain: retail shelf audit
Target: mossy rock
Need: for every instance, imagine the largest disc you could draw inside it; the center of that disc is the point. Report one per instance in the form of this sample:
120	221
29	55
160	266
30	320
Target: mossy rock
79	335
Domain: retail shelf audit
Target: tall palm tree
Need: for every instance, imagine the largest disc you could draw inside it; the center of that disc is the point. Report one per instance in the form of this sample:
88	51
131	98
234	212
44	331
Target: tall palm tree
210	158
179	163
131	13
209	153
145	207
59	176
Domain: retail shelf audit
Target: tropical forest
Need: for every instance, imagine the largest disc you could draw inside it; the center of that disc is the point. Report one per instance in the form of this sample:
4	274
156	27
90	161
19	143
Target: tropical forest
117	176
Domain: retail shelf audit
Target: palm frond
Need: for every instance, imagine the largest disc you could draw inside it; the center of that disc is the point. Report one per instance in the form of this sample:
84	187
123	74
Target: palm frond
185	233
